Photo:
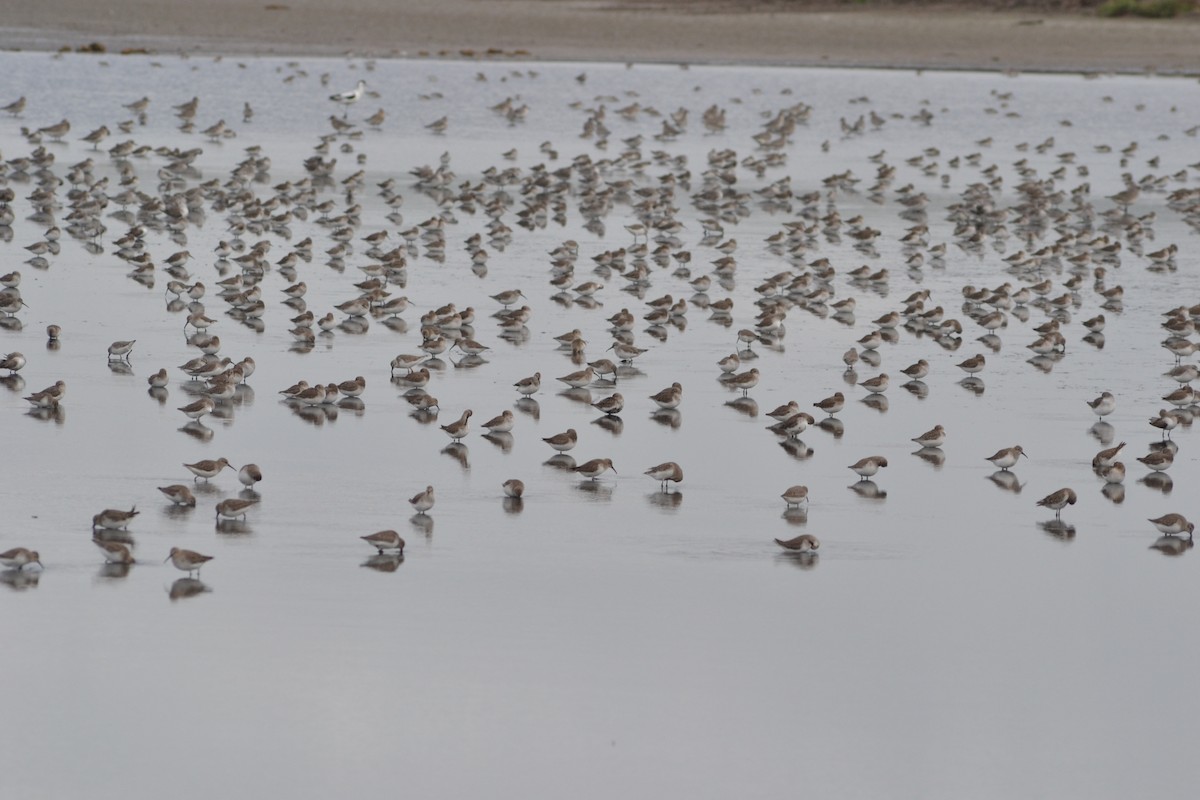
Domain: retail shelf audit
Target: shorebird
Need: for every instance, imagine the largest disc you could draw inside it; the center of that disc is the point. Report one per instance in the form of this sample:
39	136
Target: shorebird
199	408
179	494
1007	457
1103	405
234	507
595	468
667	471
562	442
1172	524
384	540
670	397
503	423
805	542
831	405
187	560
350	97
795	495
1159	460
114	552
513	488
422	501
459	429
250	475
530	385
613	404
14	362
159	379
120	350
112	519
973	365
935	437
208	468
18	557
745	380
876	385
866	467
1058	500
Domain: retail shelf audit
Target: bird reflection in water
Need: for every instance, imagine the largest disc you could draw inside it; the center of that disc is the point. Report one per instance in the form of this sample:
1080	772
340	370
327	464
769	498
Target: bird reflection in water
19	579
1058	529
384	562
868	489
1172	545
934	456
1007	480
423	523
187	587
459	452
668	501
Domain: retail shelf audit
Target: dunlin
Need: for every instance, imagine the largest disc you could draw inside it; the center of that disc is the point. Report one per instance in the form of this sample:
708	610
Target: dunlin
513	488
784	411
114	519
1059	500
866	467
1114	473
501	424
459	429
1007	457
667	471
730	363
562	442
832	405
18	557
208	468
250	475
669	397
613	404
917	371
407	362
187	560
1172	524
530	385
13	362
234	507
199	408
179	494
1107	456
353	388
120	350
595	468
934	437
876	385
385	540
973	365
1166	421
1103	405
745	380
422	501
577	380
795	495
1159	460
159	379
805	542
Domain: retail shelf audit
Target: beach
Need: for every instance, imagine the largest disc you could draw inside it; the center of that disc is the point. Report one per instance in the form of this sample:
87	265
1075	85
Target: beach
730	31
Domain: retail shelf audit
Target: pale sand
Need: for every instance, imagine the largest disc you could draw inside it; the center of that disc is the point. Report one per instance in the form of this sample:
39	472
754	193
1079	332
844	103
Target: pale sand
721	31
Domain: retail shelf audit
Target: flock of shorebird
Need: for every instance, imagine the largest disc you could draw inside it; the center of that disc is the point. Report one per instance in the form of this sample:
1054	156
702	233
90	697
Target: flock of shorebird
1068	240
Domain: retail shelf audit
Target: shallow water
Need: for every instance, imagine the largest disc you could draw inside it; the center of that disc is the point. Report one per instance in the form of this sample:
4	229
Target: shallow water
603	638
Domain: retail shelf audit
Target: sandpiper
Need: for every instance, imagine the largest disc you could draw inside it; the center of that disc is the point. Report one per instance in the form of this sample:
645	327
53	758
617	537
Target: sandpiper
745	380
805	542
1059	500
113	519
513	488
831	405
179	494
613	404
595	468
1107	456
234	507
1103	405
199	408
208	468
1159	460
876	385
917	371
1166	421
1172	524
18	557
934	437
784	411
120	350
973	365
577	380
1113	473
407	362
866	467
670	397
562	442
795	495
730	363
159	379
530	385
1007	457
384	540
507	298
353	388
667	471
13	362
114	552
250	475
501	424
187	560
422	501
458	429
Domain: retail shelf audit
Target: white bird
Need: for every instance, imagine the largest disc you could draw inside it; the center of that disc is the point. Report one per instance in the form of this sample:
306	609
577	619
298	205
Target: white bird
349	98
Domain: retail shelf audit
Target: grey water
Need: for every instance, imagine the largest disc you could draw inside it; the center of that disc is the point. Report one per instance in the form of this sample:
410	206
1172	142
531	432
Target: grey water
601	638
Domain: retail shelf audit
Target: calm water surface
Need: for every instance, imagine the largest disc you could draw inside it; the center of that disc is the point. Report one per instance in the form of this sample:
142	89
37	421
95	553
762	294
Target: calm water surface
604	639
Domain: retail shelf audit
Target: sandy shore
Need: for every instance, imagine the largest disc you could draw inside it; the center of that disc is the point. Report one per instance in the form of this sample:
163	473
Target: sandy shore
626	30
